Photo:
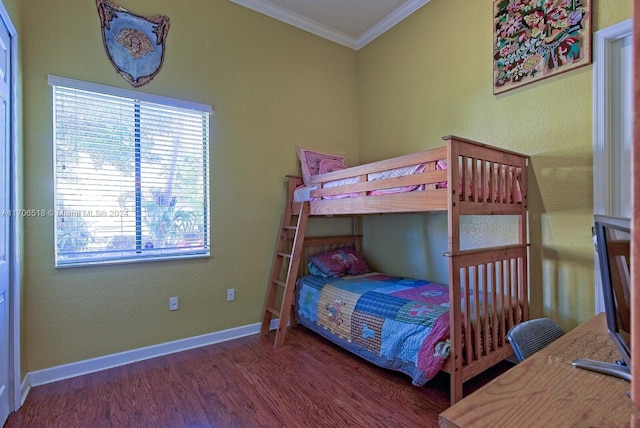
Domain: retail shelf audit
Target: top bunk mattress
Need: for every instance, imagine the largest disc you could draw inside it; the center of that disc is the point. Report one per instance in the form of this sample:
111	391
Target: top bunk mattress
304	192
504	186
477	178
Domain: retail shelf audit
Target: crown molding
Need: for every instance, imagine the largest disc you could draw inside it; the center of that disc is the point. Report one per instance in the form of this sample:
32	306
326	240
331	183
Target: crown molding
389	21
314	27
299	21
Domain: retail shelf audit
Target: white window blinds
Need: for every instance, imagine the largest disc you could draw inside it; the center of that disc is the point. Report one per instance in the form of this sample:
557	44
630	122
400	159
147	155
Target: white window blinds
131	175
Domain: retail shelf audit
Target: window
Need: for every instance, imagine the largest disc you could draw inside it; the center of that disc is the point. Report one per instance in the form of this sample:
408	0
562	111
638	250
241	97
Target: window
131	175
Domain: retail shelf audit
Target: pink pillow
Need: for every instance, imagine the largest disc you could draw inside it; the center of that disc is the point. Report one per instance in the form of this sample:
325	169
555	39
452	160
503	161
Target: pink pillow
330	165
310	162
340	262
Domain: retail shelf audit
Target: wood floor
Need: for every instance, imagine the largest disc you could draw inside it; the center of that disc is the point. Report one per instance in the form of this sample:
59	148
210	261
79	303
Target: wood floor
243	383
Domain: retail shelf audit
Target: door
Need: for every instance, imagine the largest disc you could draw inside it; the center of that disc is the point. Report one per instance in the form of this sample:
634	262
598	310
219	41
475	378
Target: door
6	219
622	127
612	120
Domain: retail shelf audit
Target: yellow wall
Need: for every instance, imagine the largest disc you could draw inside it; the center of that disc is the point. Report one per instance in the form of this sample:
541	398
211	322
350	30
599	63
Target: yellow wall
272	86
431	76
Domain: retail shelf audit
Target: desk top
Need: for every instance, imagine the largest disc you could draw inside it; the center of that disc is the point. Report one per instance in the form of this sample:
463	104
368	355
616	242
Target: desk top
546	390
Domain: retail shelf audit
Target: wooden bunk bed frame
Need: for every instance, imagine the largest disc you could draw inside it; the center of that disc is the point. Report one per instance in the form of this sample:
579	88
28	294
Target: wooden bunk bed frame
480	180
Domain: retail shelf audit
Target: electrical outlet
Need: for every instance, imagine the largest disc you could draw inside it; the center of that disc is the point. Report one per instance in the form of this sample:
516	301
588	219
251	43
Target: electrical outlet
173	303
231	294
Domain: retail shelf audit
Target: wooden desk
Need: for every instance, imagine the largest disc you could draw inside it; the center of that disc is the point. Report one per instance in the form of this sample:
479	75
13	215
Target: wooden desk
545	390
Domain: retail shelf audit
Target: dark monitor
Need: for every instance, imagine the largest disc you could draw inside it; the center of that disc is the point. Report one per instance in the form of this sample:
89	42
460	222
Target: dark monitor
613	247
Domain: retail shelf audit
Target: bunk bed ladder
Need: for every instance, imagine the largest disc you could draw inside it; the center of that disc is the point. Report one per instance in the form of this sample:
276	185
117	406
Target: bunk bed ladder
284	270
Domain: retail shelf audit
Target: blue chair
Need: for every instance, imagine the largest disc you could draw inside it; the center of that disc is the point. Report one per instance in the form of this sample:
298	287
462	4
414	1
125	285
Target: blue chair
530	336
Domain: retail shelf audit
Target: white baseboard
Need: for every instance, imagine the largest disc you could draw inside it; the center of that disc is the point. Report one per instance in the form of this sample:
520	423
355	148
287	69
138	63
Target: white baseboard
66	371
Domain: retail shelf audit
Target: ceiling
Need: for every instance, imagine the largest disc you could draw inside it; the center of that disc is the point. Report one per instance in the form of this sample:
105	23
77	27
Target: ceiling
352	23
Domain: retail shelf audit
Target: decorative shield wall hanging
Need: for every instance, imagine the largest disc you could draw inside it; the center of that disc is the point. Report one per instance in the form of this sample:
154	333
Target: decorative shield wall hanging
134	44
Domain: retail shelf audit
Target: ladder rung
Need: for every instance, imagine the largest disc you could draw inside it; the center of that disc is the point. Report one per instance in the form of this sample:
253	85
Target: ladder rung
273	310
292	231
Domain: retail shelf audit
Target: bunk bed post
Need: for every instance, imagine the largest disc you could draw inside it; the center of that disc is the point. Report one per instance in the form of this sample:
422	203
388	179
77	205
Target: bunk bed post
453	210
356	230
523	222
455	318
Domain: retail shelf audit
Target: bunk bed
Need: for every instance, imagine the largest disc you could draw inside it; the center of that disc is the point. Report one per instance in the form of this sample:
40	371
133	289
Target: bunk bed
487	291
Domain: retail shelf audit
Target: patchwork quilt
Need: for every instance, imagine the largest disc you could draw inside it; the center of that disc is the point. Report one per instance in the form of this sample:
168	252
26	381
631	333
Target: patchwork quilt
397	323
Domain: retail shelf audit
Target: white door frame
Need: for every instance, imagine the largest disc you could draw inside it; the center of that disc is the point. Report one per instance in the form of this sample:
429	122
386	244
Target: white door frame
15	398
603	126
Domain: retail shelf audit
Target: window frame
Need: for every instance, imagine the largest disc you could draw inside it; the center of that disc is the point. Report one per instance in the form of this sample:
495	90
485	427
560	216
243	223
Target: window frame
134	255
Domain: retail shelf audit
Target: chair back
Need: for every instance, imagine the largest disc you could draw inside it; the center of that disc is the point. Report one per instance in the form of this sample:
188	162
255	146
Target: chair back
530	336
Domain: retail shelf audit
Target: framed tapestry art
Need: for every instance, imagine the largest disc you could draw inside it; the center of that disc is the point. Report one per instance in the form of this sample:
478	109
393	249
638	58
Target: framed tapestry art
536	39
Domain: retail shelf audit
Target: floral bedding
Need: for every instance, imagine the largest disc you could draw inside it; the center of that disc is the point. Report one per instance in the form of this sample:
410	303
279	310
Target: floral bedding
397	323
303	193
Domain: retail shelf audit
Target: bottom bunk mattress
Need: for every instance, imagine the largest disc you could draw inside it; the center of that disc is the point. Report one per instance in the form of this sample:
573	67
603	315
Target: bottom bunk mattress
396	323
